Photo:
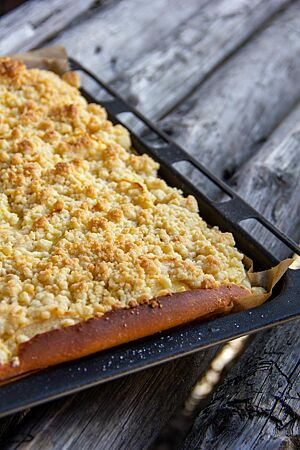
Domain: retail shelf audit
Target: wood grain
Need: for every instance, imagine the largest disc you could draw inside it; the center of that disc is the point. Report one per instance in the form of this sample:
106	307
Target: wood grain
33	22
232	113
116	36
270	182
118	415
186	57
257	407
165	58
112	416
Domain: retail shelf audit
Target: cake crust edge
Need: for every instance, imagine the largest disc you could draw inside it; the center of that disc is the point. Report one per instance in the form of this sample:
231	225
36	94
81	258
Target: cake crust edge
121	326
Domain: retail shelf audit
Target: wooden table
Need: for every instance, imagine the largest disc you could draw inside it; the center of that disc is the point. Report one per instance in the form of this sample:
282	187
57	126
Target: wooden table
223	77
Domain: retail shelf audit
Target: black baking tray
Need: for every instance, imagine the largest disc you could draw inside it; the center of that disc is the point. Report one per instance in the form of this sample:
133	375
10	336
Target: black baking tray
98	368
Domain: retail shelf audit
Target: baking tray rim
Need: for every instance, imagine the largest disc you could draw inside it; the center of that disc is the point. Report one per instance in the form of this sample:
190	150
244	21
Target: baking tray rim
265	316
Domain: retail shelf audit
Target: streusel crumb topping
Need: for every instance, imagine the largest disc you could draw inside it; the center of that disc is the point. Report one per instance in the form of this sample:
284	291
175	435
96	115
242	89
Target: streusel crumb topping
86	225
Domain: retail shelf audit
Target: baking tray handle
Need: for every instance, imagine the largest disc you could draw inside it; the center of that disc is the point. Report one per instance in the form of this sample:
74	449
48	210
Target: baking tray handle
234	210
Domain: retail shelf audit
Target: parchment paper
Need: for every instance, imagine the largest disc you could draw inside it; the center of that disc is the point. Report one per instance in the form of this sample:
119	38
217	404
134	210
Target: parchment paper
296	263
265	280
55	58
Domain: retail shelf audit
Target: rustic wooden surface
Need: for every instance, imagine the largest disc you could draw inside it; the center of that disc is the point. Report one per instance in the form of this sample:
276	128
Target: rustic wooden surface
25	27
165	59
257	406
221	76
228	117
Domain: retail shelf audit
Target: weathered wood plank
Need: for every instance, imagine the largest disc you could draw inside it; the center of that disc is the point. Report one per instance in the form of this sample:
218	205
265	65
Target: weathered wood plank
200	45
229	116
133	393
275	168
257	407
161	63
116	415
114	36
33	22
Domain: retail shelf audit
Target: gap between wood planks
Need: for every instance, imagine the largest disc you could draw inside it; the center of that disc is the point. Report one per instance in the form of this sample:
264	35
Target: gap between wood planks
173	434
180	423
226	57
276	413
224	123
261	407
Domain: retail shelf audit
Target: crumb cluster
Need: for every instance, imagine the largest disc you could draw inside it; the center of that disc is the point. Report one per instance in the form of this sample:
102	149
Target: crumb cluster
86	225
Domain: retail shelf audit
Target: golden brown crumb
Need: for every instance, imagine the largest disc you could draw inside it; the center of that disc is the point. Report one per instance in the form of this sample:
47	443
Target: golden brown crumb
85	224
10	69
72	78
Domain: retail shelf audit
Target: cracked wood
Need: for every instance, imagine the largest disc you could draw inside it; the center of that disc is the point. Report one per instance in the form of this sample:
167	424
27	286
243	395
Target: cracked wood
257	406
136	402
